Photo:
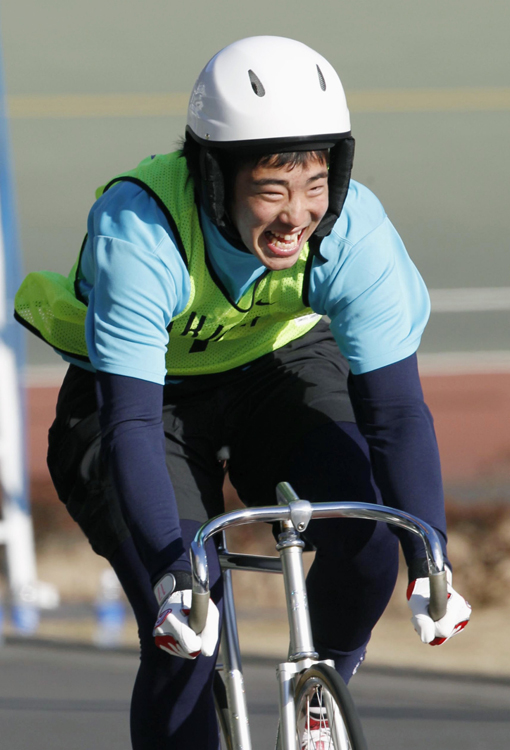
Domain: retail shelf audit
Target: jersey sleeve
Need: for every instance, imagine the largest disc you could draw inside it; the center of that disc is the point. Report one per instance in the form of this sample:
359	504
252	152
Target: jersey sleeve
136	282
372	292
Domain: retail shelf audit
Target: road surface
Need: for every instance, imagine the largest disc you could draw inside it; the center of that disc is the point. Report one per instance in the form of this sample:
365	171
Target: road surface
62	698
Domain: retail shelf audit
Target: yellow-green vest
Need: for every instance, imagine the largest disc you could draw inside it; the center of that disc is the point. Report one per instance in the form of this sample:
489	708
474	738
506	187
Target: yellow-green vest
212	333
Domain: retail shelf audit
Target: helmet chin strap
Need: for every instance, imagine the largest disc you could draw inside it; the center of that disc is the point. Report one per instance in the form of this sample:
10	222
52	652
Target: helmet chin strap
213	191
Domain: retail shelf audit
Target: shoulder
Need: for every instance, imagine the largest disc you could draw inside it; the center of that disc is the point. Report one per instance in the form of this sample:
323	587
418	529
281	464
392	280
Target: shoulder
361	214
127	212
363	235
129	239
363	254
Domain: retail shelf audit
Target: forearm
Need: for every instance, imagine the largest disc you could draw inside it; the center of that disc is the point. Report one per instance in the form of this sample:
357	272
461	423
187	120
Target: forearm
398	427
133	446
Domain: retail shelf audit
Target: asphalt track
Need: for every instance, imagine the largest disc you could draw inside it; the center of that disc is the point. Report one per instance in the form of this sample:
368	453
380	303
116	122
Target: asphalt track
57	698
94	87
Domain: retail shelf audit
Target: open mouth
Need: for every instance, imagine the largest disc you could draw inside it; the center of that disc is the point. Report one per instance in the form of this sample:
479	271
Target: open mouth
283	244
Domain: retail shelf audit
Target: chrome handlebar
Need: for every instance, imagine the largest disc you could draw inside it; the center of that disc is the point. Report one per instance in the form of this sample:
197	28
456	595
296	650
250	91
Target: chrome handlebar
299	512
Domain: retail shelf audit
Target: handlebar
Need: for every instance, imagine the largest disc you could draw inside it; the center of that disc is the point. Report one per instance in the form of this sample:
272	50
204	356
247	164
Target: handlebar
299	512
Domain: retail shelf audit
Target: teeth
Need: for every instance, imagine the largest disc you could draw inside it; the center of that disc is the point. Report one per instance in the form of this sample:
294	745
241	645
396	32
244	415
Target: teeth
288	242
284	241
284	245
286	237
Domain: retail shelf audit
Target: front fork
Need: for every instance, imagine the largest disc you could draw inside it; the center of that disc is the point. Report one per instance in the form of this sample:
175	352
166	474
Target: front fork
287	675
301	650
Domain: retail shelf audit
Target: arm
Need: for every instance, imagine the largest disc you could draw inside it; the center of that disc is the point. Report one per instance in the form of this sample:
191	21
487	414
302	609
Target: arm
393	417
137	282
130	413
379	306
397	425
134	447
390	411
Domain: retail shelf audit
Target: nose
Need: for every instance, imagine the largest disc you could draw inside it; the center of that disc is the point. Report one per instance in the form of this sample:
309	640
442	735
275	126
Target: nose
295	214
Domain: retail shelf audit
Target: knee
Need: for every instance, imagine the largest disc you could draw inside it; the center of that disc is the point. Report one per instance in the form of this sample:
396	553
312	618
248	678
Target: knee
364	552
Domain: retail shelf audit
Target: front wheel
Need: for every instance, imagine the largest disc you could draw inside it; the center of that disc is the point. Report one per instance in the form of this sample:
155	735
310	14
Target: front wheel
326	717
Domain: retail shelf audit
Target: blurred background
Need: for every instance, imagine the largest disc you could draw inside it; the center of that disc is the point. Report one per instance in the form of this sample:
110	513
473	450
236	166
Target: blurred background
92	88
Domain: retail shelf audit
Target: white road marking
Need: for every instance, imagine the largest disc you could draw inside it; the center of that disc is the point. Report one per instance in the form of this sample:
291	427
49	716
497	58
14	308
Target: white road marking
470	299
465	363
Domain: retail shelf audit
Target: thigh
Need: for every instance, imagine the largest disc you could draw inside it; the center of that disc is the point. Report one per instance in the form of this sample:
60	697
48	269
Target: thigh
192	428
284	399
356	563
75	466
332	463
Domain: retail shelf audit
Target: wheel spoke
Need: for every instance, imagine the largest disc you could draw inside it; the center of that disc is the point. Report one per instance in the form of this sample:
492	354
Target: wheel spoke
325	715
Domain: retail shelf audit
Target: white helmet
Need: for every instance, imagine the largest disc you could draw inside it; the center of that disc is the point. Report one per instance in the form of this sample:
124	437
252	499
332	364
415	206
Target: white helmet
267	95
266	92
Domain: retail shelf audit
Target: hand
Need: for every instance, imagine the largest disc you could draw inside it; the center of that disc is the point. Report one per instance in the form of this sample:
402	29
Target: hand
172	632
458	612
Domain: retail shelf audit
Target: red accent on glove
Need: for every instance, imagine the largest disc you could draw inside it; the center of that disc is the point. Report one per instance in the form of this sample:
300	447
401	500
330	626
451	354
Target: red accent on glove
437	641
410	589
169	642
460	626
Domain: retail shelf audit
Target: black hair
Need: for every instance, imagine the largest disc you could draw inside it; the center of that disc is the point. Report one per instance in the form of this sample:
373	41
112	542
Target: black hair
232	163
289	159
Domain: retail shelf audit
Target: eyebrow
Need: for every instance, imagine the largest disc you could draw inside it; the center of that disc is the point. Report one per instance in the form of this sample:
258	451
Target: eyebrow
272	181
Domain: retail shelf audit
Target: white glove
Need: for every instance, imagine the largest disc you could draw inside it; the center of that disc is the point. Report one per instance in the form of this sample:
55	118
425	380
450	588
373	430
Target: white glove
172	632
458	612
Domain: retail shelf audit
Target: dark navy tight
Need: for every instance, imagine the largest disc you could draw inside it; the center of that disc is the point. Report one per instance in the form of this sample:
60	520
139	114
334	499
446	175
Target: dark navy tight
349	585
172	707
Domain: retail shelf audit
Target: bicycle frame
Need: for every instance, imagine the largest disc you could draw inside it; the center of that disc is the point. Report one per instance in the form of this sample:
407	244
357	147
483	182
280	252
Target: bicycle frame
294	514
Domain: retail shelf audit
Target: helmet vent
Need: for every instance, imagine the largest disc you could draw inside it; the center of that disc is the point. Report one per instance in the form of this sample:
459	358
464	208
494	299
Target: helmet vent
256	84
321	79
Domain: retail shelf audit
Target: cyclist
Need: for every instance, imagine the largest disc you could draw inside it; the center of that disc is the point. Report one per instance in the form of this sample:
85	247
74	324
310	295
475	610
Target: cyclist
195	317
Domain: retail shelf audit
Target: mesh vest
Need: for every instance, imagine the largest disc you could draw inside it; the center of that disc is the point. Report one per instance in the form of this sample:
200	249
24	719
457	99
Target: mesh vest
213	333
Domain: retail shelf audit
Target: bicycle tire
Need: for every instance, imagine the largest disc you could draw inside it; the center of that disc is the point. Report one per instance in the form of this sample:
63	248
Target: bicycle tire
322	683
222	712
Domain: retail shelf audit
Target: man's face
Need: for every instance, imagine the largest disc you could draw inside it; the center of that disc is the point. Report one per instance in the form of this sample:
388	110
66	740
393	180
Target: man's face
276	209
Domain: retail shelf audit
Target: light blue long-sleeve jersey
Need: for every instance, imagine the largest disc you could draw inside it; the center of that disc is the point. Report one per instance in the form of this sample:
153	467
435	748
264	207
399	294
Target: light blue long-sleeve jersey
136	282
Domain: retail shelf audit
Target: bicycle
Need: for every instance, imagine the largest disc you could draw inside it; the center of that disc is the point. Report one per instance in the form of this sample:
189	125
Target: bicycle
309	689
